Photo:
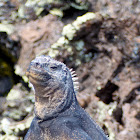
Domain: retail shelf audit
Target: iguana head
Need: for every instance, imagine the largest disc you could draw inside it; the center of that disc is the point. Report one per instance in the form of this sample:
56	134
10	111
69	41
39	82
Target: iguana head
51	79
46	72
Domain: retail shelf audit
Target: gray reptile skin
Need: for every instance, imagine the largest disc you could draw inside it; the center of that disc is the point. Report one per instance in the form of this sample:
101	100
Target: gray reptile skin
58	116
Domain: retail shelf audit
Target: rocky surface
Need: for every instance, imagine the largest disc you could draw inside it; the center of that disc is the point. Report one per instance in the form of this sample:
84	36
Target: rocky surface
100	40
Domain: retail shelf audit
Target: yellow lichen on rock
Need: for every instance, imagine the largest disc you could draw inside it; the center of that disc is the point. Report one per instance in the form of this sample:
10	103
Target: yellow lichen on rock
72	30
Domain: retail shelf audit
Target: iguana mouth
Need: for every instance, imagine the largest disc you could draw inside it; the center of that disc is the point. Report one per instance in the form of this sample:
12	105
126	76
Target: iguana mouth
35	74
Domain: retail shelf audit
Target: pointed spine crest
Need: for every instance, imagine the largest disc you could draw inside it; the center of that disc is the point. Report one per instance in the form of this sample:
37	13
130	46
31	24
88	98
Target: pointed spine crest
75	80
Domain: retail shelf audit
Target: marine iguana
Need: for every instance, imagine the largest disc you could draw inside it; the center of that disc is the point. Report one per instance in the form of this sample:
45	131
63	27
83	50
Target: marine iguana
58	116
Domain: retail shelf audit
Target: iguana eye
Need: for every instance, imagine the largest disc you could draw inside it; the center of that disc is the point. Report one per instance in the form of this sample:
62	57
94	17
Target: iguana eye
53	67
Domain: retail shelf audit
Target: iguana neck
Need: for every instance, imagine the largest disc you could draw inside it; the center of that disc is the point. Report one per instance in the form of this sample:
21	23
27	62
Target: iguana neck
54	103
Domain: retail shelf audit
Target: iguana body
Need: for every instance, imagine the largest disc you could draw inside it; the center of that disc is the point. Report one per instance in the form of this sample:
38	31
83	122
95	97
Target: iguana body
58	115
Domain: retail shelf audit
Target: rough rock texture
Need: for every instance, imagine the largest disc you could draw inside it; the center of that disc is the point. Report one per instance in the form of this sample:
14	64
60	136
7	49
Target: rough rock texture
38	36
107	60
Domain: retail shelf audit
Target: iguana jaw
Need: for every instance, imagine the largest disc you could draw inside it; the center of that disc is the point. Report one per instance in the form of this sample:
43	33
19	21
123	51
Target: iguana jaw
37	77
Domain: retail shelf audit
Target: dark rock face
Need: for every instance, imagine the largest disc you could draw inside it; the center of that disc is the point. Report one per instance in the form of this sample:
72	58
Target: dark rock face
5	84
9	54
